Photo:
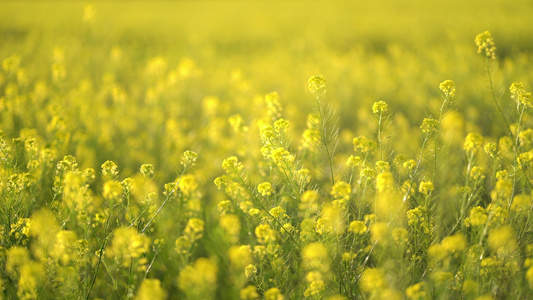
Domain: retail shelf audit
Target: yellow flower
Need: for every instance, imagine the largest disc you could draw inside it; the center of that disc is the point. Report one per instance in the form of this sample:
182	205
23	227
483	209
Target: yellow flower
429	125
249	293
477	173
477	217
194	229
282	157
232	225
473	142
273	294
447	87
315	256
278	212
65	247
357	227
491	149
416	291
112	190
363	144
379	107
341	190
183	245
16	257
250	271
521	203
384	182
353	161
265	189
199	280
274	107
330	220
147	170
32	275
151	290
400	236
189	158
187	184
454	243
372	280
315	288
519	93
317	84
265	234
529	277
127	244
426	187
378	231
485	45
502	240
232	164
109	170
240	256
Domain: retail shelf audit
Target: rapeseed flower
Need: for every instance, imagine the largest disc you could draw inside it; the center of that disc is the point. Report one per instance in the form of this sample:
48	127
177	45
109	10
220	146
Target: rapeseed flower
151	289
317	84
265	189
485	45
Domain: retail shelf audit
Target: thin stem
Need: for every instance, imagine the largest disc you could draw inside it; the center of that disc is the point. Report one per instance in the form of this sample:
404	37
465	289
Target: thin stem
494	98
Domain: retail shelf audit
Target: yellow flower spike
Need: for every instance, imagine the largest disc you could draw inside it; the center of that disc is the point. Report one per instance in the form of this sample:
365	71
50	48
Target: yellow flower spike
429	125
478	217
250	272
485	45
265	234
426	187
447	87
232	164
147	170
194	229
341	190
109	170
380	107
519	93
265	189
473	142
357	227
317	84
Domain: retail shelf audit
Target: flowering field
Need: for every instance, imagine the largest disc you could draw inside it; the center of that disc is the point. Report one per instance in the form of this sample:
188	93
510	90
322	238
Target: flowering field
266	150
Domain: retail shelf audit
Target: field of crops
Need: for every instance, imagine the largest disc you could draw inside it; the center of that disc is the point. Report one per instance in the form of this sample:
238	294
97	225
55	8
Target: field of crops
232	149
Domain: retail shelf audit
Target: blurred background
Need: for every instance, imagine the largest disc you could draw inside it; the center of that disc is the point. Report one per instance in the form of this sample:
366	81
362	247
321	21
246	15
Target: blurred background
397	51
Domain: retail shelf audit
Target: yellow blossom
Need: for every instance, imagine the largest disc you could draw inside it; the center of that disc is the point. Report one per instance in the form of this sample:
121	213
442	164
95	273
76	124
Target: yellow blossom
265	234
485	45
473	142
447	87
249	293
357	227
379	107
317	84
151	290
265	189
273	294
